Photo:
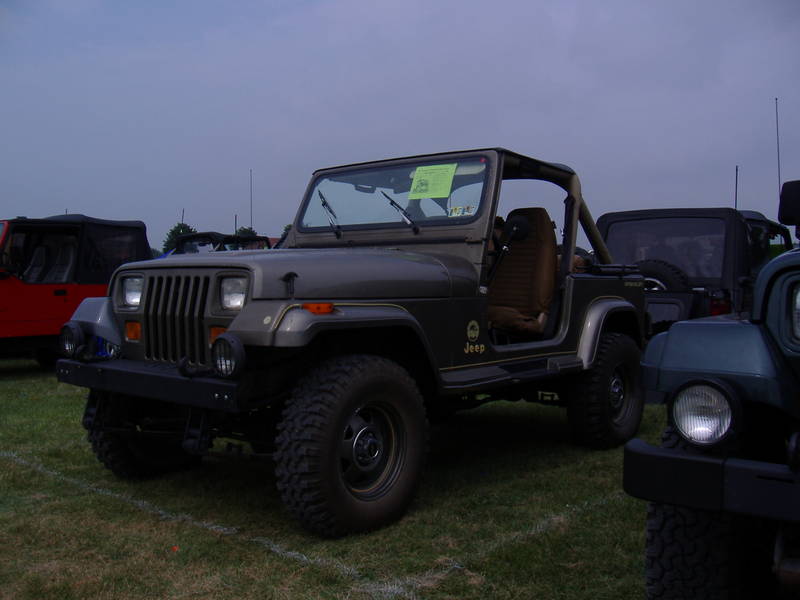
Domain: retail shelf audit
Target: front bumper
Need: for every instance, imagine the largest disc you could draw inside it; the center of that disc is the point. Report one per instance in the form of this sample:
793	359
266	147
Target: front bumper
154	380
730	485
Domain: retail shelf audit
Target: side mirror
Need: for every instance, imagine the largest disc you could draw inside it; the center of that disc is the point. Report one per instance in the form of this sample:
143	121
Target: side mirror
517	228
789	208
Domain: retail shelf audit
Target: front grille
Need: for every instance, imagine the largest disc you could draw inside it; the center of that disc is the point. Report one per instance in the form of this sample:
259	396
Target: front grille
173	318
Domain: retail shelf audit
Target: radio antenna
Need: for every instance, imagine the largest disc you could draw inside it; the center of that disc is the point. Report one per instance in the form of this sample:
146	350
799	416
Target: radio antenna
778	145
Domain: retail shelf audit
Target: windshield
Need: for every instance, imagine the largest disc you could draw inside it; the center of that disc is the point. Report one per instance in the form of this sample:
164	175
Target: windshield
696	245
410	196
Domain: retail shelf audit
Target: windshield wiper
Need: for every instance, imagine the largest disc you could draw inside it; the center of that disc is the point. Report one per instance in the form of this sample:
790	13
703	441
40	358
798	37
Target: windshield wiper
333	220
403	213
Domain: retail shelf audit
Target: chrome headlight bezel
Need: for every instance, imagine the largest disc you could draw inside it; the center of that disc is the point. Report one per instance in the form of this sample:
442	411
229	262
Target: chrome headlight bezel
232	292
131	288
704	412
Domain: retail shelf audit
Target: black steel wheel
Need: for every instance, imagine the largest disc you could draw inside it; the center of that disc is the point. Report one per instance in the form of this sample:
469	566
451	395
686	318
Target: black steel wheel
605	404
351	445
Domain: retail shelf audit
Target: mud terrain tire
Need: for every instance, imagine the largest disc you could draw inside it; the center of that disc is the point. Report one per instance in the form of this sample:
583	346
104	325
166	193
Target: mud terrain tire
351	445
128	453
693	554
604	406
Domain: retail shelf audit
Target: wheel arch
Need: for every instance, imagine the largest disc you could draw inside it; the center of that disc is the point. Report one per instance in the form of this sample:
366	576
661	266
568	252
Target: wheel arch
398	342
612	315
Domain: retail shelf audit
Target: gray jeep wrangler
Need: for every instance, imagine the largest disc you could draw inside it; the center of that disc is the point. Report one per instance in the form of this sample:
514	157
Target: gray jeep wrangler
724	487
397	296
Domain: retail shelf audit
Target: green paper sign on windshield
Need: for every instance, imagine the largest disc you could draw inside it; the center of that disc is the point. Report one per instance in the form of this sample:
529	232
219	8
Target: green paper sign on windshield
432	181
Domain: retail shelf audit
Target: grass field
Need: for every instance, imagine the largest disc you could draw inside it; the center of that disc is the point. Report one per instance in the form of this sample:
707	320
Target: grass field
507	509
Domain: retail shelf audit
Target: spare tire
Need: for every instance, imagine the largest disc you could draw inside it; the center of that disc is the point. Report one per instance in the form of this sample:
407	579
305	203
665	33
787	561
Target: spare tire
661	276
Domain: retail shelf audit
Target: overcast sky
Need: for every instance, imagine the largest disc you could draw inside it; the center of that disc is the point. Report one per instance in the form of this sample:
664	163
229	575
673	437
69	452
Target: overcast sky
139	110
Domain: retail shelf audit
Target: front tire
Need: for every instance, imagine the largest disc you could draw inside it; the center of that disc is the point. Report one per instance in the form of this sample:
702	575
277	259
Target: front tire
123	448
693	554
605	405
351	445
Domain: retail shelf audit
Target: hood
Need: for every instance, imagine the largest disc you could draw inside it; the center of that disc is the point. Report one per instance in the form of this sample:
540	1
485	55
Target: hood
338	273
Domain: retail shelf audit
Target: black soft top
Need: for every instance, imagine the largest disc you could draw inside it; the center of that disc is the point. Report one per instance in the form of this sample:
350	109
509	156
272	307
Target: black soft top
75	219
519	161
722	212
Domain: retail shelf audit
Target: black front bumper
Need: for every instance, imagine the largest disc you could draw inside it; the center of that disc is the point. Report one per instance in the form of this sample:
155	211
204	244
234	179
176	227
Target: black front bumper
718	484
154	380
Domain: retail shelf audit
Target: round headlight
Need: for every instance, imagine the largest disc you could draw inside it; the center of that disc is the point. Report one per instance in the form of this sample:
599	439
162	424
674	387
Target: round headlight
132	291
227	355
702	414
70	339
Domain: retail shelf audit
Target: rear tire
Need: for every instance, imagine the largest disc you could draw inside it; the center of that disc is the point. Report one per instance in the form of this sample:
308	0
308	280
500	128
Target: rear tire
605	405
351	445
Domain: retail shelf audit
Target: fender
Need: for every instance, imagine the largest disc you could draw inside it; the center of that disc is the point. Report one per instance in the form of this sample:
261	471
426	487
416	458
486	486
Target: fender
96	318
297	327
735	351
596	316
289	325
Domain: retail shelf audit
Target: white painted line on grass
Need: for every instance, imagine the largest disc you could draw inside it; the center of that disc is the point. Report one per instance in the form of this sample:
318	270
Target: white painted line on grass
166	515
407	587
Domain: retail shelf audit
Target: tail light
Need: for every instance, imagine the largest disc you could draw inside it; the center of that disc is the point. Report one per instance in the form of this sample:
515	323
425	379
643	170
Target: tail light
720	306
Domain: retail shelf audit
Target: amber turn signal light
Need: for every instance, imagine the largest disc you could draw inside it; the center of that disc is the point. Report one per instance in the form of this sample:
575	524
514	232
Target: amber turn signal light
319	308
133	331
214	333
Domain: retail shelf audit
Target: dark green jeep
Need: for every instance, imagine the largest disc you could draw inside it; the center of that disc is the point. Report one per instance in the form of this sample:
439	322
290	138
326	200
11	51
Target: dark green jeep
398	295
724	517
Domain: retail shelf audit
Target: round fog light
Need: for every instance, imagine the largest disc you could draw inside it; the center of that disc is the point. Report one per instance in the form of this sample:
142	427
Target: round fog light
70	339
702	413
227	355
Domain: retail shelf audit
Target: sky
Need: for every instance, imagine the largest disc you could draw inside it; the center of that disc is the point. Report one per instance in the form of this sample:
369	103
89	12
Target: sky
152	109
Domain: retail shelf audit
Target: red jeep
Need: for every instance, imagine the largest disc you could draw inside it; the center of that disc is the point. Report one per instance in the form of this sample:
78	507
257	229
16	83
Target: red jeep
47	266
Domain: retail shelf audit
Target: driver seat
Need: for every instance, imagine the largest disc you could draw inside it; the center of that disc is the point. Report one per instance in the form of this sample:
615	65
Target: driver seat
523	286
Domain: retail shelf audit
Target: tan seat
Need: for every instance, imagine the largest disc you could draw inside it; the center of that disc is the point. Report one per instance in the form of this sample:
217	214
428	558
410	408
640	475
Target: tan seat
522	288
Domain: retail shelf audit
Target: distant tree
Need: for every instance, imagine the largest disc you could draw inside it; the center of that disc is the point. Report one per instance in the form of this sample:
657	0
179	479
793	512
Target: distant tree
177	229
246	231
155	252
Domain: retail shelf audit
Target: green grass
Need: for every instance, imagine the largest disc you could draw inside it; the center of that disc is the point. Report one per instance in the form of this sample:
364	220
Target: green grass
507	509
